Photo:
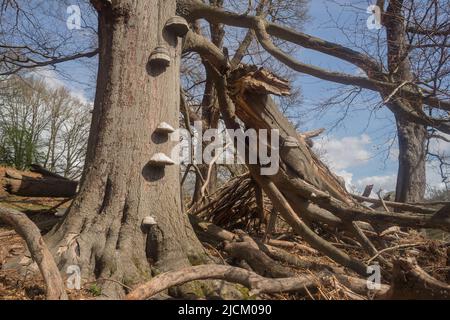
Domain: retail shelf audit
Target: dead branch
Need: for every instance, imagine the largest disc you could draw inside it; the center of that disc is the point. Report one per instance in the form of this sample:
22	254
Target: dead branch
398	205
256	283
303	230
257	259
410	281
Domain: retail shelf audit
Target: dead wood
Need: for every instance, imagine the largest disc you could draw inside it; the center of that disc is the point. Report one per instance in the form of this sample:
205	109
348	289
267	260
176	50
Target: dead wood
410	281
256	283
249	88
292	246
304	231
45	186
235	204
397	205
215	235
261	263
46	173
38	250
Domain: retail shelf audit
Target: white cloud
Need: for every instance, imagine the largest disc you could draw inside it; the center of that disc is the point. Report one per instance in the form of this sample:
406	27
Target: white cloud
50	77
347	176
434	179
386	182
344	153
360	72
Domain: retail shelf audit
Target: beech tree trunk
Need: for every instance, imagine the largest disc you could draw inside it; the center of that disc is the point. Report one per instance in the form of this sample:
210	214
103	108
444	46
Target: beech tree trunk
102	232
411	177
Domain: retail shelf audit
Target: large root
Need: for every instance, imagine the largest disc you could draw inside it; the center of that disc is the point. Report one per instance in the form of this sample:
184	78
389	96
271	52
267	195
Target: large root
38	250
251	280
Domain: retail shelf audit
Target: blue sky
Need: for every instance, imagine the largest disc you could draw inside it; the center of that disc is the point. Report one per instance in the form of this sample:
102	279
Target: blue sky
357	148
361	148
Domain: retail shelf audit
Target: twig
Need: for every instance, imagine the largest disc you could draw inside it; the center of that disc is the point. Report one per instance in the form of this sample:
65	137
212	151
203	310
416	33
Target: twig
400	246
382	201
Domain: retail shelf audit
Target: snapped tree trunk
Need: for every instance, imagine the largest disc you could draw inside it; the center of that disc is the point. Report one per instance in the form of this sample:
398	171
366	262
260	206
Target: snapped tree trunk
102	232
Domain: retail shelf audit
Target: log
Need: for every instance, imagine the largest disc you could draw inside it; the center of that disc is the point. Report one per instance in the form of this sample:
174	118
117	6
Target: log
46	173
216	234
38	250
397	205
21	185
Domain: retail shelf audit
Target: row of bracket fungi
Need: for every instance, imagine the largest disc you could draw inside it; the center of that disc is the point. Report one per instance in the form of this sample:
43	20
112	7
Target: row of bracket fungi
160	56
159	160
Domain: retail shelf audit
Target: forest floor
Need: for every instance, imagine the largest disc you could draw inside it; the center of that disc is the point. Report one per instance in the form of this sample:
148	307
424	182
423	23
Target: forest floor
429	252
16	286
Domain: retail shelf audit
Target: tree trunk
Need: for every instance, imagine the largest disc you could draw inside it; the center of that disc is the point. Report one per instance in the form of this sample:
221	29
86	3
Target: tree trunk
102	232
411	137
411	177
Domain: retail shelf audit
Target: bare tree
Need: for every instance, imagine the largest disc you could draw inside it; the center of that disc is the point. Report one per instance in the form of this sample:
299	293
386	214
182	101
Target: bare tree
23	119
41	125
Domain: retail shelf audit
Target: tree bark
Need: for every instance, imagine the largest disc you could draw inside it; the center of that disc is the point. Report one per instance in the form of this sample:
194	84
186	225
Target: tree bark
102	231
411	177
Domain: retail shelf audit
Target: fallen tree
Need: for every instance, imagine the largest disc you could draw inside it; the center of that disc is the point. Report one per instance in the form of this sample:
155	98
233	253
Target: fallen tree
42	184
304	191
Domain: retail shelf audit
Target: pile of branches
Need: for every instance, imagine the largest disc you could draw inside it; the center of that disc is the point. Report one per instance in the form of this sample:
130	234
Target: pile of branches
292	269
336	241
234	205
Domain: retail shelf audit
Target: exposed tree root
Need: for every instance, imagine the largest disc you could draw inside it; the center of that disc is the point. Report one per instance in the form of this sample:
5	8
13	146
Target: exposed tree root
251	280
38	250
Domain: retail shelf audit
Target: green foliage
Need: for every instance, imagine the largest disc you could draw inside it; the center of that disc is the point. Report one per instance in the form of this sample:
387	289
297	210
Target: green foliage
95	290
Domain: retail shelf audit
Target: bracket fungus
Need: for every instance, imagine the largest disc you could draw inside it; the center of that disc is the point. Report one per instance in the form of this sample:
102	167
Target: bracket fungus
164	128
177	26
148	221
161	160
160	57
